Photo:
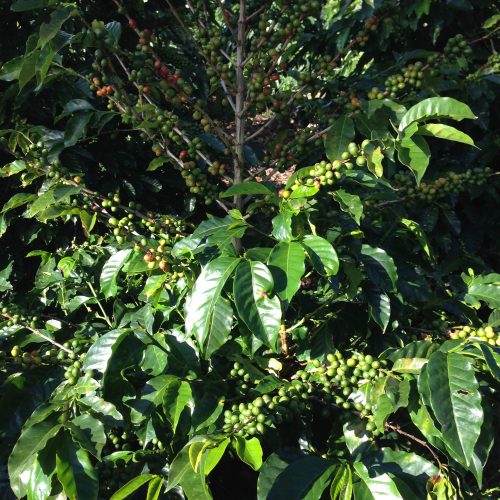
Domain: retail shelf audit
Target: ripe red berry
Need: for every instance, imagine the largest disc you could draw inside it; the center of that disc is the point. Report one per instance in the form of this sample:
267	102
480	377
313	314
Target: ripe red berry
143	41
177	76
164	71
289	157
109	88
131	23
276	155
182	154
157	64
278	147
283	65
372	20
146	90
249	113
147	32
171	79
275	76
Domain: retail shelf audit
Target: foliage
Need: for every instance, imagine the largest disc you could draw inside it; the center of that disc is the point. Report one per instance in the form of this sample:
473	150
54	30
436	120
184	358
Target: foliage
178	322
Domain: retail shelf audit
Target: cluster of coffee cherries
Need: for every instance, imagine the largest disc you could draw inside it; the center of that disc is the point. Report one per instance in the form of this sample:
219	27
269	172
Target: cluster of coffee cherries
349	103
263	205
396	84
456	47
99	36
486	334
74	371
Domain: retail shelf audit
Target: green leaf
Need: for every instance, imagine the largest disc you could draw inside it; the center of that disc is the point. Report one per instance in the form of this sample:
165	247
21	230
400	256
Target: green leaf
179	467
110	272
272	468
414	152
100	353
484	444
12	168
382	411
245	188
304	479
154	283
52	25
39	485
395	110
249	451
214	455
341	488
204	295
456	402
436	107
133	485
158	162
31	441
322	254
75	470
88	221
422	8
442	131
253	284
487	293
75	128
282	226
349	203
421	236
379	266
375	158
23	5
18	200
220	328
10	70
175	398
371	127
24	395
381	487
492	359
154	488
93	429
303	192
43	64
491	21
338	138
409	365
286	264
194	485
28	70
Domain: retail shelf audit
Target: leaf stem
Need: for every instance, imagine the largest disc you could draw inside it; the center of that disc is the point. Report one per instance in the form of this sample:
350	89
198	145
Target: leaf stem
99	303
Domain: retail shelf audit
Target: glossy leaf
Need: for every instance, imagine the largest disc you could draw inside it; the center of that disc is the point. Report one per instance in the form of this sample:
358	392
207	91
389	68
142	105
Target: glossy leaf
414	152
111	270
75	470
75	128
154	488
304	479
272	468
349	203
338	138
282	226
194	484
341	487
99	355
443	131
176	397
286	264
214	455
31	441
204	296
322	254
409	365
484	444
420	235
134	484
436	107
379	267
487	293
249	451
456	402
253	285
245	188
381	487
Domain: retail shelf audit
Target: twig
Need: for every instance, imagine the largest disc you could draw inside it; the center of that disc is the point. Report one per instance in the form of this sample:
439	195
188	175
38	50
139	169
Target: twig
423	443
40	334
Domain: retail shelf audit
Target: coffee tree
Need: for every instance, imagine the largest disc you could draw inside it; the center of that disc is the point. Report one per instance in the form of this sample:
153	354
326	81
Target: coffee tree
250	250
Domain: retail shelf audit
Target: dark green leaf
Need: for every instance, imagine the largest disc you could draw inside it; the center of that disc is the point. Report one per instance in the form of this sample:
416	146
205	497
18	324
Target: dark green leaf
304	479
75	128
245	188
338	138
101	352
341	487
381	487
349	203
133	485
322	254
249	451
286	264
204	295
253	285
282	226
111	270
176	397
456	402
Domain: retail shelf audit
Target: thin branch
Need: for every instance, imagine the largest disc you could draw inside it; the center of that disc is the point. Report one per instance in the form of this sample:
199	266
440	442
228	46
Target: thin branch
256	13
228	95
397	429
40	334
